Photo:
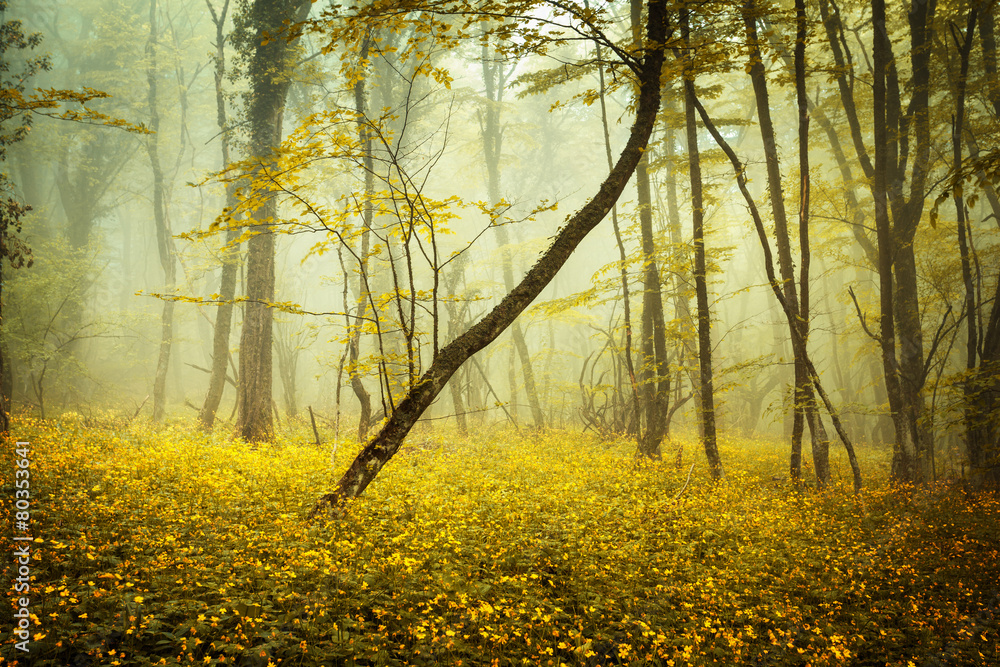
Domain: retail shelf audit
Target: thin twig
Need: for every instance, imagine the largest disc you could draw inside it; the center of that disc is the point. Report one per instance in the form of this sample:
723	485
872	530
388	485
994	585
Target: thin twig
861	317
678	495
315	430
136	413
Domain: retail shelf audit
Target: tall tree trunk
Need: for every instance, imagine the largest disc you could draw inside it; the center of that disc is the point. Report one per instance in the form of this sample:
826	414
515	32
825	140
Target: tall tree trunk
494	80
817	432
986	381
456	320
706	378
905	376
904	449
230	250
367	216
631	426
911	462
164	242
654	374
680	290
782	239
268	72
6	378
974	432
386	443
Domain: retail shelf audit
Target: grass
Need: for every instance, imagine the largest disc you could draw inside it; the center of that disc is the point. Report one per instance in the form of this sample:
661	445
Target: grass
172	547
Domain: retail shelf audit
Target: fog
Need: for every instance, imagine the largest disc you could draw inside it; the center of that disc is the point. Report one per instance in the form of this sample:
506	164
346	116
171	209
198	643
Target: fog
424	167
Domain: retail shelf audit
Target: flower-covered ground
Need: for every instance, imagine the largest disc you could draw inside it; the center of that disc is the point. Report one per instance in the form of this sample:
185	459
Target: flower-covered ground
171	547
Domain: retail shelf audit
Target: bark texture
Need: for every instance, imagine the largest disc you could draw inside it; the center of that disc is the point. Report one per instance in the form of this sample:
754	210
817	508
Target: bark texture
269	82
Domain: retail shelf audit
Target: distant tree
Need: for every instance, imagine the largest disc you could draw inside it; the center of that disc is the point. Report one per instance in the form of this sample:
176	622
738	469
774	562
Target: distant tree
230	251
496	76
15	121
164	240
17	109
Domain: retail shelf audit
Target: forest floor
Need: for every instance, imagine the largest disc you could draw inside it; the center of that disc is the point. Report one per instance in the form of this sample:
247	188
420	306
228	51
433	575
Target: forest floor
171	547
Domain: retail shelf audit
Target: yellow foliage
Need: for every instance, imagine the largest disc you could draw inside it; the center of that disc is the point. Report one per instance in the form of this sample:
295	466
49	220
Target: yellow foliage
498	549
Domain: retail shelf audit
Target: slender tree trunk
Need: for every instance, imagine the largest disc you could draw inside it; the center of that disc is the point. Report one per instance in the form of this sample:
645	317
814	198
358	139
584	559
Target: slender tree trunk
777	287
974	433
654	374
781	233
456	322
386	443
631	425
817	432
706	378
6	378
163	238
230	250
680	289
367	217
287	354
986	381
987	35
495	79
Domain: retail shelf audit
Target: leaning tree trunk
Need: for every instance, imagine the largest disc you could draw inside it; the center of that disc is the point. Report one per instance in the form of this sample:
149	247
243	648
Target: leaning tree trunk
387	442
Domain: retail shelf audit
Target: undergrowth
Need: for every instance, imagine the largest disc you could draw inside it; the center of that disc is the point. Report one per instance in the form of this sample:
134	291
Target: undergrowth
171	547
